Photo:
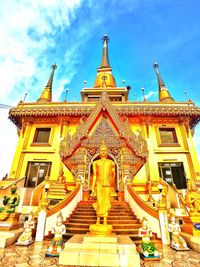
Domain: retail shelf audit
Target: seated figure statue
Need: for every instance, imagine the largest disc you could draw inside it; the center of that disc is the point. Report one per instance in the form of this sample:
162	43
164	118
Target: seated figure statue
192	199
58	230
10	202
177	242
61	178
26	237
145	232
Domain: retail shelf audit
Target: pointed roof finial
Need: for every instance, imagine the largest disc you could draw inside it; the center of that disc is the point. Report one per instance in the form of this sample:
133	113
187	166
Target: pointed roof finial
164	95
46	95
105	60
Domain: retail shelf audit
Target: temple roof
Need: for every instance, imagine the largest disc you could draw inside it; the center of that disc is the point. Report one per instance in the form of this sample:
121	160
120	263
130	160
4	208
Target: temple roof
79	109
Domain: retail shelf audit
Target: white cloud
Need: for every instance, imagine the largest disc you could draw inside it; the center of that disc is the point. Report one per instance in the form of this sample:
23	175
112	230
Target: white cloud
150	94
28	29
8	142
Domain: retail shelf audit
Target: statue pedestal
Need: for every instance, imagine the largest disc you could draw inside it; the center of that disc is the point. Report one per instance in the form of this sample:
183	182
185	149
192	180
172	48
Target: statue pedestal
10	237
100	229
12	222
90	250
192	225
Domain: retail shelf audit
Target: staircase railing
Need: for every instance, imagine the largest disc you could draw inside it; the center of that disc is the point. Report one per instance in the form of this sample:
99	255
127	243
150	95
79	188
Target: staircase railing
143	209
67	205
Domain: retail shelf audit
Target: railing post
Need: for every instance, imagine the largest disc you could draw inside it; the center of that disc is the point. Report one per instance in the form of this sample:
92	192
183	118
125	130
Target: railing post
41	223
163	219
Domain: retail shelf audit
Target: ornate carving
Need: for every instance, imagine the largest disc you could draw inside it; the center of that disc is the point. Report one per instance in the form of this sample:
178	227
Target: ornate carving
127	148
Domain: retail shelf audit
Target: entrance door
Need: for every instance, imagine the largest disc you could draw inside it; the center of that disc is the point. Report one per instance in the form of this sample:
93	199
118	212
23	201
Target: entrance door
36	172
173	173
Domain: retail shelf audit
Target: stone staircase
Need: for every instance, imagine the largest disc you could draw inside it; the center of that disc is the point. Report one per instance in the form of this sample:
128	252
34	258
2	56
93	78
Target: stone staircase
122	218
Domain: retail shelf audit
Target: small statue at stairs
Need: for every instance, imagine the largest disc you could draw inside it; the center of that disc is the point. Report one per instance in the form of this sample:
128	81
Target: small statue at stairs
149	249
61	178
58	230
177	242
192	199
26	237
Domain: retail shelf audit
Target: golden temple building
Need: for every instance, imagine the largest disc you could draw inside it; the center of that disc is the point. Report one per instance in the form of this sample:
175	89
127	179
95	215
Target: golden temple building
150	143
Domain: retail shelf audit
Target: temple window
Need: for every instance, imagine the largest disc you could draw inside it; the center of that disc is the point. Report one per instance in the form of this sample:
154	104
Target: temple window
42	135
173	172
36	172
168	136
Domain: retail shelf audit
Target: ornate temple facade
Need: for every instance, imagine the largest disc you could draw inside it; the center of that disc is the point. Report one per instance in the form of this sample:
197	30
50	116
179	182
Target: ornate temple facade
149	142
146	140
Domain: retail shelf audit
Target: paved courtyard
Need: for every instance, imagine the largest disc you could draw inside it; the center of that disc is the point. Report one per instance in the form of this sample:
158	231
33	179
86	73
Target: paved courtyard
34	255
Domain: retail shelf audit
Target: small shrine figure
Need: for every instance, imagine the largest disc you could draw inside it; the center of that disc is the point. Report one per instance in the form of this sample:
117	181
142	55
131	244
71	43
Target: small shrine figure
177	242
26	237
10	202
58	230
149	249
61	178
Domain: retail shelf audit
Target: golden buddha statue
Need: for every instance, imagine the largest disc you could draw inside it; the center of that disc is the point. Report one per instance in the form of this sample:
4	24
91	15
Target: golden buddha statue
103	175
26	237
148	247
10	202
177	242
58	230
192	199
61	178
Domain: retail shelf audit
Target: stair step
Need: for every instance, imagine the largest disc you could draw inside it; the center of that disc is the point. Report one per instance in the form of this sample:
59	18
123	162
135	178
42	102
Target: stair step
110	221
115	226
122	217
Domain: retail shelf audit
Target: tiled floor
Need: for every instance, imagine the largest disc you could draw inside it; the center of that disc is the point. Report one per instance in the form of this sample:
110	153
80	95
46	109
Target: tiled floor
34	255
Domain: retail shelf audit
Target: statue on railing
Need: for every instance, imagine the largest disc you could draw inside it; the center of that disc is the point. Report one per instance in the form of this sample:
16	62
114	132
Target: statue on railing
149	249
177	242
10	202
162	201
26	237
192	199
58	230
61	178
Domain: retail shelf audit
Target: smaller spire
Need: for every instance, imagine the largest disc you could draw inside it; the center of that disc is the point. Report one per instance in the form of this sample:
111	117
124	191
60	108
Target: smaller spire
164	95
105	60
46	95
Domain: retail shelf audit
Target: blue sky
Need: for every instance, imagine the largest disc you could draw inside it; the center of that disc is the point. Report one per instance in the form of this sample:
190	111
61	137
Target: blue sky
36	34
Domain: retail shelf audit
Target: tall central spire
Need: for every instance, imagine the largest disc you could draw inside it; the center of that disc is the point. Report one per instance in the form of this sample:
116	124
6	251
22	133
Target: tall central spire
105	60
104	77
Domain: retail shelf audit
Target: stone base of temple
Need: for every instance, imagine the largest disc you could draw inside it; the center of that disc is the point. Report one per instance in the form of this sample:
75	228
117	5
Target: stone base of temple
90	250
189	226
10	237
192	241
11	223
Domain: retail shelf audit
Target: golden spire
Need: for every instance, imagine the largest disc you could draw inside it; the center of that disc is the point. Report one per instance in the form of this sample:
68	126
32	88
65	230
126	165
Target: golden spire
164	95
104	77
46	95
105	60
